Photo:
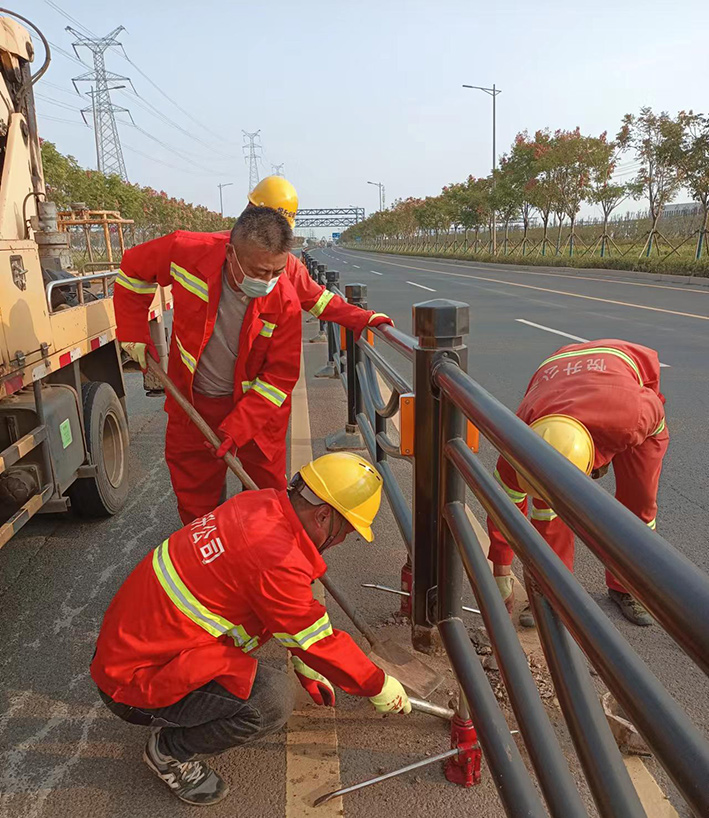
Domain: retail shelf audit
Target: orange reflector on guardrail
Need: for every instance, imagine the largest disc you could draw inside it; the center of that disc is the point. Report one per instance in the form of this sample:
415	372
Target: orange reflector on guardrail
472	437
407	413
343	339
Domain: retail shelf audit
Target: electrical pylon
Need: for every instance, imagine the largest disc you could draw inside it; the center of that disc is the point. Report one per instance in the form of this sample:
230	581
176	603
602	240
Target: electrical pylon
109	154
253	157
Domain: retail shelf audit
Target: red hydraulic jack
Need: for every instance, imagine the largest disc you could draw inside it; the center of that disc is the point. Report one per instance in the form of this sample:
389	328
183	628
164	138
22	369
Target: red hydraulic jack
462	761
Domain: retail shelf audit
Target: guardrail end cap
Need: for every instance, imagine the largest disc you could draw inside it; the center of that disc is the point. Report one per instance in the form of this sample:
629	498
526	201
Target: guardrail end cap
441	318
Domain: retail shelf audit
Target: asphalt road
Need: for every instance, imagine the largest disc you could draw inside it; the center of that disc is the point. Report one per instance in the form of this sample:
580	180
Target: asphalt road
504	352
62	753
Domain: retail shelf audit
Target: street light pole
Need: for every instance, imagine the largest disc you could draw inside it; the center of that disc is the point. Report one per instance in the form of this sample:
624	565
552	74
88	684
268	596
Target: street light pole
380	185
221	200
493	92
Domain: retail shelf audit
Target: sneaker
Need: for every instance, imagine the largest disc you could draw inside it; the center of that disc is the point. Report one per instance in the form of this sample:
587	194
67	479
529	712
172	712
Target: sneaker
526	618
631	609
193	782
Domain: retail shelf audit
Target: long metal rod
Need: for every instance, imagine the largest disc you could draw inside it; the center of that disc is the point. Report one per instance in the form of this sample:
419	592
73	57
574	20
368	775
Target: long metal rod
600	757
510	776
673	589
432	709
552	770
677	743
393	774
466	608
390	375
397	339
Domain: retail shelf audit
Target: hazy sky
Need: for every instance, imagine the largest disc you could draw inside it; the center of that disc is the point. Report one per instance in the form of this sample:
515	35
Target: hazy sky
346	93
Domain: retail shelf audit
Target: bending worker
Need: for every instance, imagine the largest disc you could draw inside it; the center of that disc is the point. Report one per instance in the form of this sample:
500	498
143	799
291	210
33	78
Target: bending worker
176	646
235	349
597	403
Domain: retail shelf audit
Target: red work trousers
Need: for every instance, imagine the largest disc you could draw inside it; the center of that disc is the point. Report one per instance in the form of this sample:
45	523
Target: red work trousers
637	475
198	477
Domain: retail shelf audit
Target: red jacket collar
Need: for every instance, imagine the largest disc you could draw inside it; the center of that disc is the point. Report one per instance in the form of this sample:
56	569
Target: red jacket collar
306	545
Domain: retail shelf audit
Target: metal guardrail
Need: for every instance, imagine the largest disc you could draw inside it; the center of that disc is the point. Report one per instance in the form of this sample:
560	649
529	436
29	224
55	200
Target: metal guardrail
444	548
78	282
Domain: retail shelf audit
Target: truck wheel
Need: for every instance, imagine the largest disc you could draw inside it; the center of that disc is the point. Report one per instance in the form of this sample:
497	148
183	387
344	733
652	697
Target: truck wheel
106	431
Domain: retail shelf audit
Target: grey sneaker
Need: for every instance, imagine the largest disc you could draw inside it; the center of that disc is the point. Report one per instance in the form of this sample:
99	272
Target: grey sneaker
193	782
526	618
631	609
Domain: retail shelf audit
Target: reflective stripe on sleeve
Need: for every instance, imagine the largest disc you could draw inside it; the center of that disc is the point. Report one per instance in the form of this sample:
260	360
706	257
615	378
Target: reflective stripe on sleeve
596	351
187	359
517	497
653	523
267	329
660	428
321	303
306	638
136	285
191	607
543	514
189	281
270	392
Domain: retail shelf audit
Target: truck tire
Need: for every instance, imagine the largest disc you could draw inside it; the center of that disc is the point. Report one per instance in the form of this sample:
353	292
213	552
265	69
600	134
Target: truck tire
106	431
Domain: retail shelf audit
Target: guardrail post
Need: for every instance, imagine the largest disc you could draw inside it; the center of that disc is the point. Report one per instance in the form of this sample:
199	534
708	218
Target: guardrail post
350	437
321	337
438	325
332	279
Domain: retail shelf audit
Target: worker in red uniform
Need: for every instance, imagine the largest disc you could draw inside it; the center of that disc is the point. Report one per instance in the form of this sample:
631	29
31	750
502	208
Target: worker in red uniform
235	349
597	403
279	194
175	650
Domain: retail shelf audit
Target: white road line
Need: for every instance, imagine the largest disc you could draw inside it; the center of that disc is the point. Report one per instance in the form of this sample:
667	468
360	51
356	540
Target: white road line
565	334
356	266
376	273
414	284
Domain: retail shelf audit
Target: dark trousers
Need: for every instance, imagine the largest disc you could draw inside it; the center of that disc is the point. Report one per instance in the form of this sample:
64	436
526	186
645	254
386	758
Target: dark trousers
210	720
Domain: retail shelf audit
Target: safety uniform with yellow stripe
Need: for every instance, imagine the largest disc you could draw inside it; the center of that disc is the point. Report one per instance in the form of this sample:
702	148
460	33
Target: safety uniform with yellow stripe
197	608
268	360
613	388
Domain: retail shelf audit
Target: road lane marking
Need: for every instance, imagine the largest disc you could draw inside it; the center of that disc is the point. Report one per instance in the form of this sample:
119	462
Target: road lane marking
356	266
572	276
548	290
376	273
565	334
311	732
414	284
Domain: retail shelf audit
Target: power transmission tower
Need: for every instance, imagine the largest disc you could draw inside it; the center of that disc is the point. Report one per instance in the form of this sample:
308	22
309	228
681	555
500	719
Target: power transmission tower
277	170
109	154
253	157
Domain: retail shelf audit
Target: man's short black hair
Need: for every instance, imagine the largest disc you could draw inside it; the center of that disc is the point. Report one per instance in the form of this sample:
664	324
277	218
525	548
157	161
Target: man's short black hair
265	227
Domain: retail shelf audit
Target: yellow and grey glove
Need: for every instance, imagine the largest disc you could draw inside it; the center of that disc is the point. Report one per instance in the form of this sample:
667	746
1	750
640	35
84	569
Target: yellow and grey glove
392	698
315	684
137	351
506	587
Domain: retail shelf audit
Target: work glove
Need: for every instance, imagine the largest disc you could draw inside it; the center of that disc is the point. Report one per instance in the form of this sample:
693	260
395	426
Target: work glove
138	352
317	687
505	585
378	319
227	445
392	698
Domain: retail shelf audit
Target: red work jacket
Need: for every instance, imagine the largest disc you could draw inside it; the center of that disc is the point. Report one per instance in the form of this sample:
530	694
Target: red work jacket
268	359
613	388
195	609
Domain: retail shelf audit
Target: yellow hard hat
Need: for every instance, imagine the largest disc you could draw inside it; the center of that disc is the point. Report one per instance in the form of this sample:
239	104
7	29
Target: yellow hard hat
278	193
348	483
569	437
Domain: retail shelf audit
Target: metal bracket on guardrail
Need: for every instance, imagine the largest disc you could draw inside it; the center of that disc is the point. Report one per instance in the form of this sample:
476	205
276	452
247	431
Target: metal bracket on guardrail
331	368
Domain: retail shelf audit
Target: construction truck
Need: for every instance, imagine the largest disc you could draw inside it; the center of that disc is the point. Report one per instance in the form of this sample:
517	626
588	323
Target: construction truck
63	427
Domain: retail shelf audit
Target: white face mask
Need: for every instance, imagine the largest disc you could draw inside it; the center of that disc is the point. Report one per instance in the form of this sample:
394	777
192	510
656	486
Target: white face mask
254	287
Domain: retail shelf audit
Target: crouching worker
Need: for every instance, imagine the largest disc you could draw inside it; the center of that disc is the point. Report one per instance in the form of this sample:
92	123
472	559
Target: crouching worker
176	647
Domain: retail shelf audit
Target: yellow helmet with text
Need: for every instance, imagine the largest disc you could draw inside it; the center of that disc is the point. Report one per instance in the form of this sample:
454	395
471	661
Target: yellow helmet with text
277	193
569	437
348	483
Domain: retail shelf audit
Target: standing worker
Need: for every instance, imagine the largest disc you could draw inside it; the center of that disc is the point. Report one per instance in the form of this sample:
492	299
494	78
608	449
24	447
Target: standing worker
279	194
596	403
175	650
235	349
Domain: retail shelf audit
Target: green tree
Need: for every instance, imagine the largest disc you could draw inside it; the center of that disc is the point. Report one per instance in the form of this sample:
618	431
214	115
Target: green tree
659	176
